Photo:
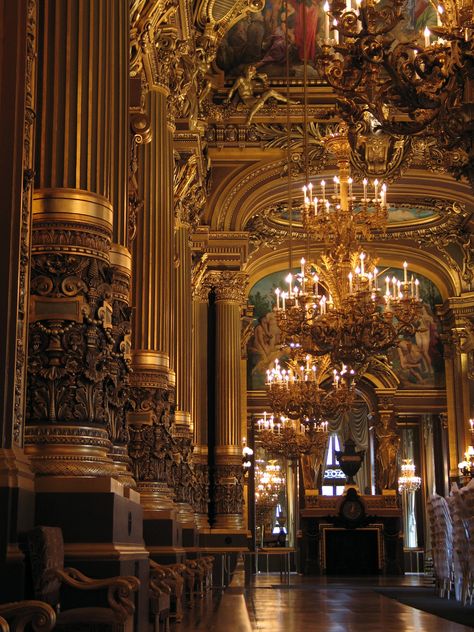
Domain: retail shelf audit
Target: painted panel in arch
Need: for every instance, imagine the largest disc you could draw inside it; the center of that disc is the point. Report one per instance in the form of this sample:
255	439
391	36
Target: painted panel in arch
260	38
264	345
418	361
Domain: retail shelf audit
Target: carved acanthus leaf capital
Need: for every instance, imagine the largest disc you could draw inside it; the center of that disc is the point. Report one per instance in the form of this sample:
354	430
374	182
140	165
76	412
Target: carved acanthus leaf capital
228	285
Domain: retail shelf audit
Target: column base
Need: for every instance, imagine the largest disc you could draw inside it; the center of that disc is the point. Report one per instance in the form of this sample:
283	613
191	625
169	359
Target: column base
156	496
67	450
17	503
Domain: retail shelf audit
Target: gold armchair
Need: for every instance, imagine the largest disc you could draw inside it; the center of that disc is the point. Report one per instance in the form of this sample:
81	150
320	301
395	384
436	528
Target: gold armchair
115	608
39	616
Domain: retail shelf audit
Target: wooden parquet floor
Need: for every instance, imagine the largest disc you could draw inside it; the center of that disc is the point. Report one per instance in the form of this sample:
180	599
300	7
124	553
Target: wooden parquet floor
312	605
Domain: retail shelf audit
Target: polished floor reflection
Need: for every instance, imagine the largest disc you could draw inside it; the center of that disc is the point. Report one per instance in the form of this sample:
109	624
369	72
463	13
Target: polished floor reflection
312	605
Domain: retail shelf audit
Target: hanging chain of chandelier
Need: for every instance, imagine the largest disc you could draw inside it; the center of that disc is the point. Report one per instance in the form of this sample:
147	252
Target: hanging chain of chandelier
424	83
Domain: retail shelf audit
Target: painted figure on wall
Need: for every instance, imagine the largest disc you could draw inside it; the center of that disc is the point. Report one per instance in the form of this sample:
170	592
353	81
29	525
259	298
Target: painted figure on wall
418	360
261	38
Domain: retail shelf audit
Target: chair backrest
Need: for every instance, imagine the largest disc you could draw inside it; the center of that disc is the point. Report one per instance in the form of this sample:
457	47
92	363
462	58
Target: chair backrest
46	548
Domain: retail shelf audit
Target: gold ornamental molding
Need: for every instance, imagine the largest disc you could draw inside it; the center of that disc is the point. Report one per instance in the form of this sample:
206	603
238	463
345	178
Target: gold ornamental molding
146	360
72	206
215	17
105	551
121	258
68	450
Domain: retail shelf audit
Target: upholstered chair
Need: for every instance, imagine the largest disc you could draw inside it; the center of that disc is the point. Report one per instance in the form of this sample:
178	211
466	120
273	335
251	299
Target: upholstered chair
51	581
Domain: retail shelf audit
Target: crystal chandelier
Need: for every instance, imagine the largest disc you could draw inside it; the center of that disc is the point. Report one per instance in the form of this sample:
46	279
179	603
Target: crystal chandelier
425	83
298	392
336	306
361	317
466	467
408	481
268	482
290	438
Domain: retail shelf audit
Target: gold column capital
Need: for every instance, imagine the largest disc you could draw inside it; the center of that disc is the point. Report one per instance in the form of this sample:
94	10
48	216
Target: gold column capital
230	286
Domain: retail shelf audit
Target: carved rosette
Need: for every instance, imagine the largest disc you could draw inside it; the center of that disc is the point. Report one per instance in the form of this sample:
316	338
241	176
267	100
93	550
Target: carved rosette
228	496
151	445
77	370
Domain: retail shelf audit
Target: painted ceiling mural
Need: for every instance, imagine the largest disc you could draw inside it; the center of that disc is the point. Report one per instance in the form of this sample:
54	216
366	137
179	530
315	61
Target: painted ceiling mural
260	38
418	361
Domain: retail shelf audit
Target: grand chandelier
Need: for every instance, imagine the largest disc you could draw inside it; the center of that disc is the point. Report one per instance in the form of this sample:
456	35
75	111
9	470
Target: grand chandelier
337	306
302	391
422	84
289	438
408	481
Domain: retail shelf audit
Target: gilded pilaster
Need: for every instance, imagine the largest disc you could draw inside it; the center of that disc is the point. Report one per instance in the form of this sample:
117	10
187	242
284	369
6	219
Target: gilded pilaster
200	403
229	290
457	316
17	131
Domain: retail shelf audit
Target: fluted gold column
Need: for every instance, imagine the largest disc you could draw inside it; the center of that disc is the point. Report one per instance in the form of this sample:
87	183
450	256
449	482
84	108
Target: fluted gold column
77	367
229	288
153	390
182	427
458	340
199	406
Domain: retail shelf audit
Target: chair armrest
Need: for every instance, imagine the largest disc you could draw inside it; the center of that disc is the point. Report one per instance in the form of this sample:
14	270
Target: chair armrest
119	589
21	613
76	574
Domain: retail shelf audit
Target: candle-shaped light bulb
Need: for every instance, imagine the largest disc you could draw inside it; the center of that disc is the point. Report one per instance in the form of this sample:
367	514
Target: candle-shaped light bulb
350	282
336	32
349	181
323	190
383	195
289	279
364	182
439	13
417	289
277	292
427	34
326	20
376	187
387	286
394	287
375	278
